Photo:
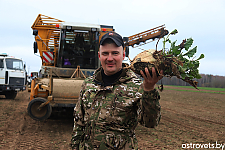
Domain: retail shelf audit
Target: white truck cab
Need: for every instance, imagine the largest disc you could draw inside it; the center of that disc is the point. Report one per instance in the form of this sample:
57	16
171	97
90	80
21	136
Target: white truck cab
12	76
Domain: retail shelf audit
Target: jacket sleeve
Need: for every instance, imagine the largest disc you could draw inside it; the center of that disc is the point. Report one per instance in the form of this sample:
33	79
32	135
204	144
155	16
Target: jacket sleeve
150	109
77	134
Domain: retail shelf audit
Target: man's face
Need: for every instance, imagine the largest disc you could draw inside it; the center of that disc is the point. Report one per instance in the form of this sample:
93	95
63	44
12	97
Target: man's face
111	58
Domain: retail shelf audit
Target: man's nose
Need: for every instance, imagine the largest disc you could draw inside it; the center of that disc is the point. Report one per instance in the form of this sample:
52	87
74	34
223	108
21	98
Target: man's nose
110	58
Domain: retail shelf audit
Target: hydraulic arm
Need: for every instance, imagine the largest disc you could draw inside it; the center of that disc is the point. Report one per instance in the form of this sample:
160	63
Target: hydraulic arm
154	33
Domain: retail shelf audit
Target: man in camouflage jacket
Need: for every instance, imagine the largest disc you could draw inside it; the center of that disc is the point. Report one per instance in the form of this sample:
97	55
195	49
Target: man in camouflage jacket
113	101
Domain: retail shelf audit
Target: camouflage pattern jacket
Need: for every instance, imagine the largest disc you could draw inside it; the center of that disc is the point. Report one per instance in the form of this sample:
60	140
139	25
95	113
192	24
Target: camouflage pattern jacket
106	117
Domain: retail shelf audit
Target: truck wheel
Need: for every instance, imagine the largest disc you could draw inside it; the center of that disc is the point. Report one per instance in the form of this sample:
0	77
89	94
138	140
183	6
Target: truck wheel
11	95
37	114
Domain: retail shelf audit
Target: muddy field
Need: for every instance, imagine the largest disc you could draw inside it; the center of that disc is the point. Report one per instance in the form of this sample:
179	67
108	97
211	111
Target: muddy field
187	117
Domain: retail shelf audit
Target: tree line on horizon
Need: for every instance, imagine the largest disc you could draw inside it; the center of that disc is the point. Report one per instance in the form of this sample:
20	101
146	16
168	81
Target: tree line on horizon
207	80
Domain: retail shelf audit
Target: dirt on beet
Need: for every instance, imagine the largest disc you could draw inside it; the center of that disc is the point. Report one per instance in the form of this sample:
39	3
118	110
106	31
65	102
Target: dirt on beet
187	117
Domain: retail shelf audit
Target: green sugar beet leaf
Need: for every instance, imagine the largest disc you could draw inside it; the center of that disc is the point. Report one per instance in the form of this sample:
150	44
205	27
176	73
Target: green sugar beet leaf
174	49
188	43
201	56
174	32
191	52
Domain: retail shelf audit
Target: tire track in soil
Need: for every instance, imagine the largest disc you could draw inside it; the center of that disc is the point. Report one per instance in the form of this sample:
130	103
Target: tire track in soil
44	135
180	123
147	146
31	134
205	131
19	131
14	124
194	117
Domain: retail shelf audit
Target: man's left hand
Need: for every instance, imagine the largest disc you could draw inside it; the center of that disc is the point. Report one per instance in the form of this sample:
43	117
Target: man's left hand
150	81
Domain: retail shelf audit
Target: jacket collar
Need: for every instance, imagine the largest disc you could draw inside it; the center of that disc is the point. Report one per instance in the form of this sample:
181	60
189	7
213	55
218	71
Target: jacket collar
126	75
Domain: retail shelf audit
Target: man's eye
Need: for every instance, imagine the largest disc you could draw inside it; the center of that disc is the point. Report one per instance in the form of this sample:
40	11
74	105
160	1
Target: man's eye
115	53
104	54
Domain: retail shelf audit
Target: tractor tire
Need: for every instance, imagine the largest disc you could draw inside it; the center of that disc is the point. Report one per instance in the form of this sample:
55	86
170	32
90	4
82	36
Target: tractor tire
42	114
10	95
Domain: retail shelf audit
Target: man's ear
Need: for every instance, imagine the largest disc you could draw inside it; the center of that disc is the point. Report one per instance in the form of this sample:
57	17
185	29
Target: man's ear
98	54
123	54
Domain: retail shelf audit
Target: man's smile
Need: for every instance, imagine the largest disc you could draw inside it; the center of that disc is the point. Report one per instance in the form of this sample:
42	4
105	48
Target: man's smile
110	64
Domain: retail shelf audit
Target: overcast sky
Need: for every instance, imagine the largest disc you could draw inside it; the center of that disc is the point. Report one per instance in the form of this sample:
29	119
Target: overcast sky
203	20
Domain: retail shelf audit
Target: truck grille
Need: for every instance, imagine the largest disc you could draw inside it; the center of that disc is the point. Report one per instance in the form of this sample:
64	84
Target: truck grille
16	81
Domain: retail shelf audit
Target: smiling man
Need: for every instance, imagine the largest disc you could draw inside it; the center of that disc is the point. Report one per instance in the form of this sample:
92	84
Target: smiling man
113	101
111	54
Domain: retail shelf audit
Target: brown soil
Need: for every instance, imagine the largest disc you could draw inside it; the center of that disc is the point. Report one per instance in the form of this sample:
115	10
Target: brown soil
187	117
